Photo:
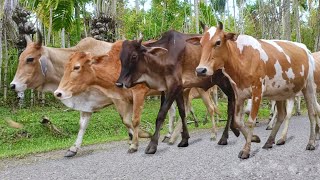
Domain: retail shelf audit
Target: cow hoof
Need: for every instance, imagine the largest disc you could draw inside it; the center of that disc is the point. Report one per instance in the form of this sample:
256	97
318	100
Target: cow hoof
170	143
236	132
196	124
183	143
269	128
267	146
310	147
151	149
298	114
244	155
255	139
223	141
213	138
166	139
281	142
131	150
70	153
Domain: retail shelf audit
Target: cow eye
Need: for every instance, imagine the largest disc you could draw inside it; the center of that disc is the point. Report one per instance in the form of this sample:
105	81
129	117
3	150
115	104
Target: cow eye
134	56
218	43
76	67
30	60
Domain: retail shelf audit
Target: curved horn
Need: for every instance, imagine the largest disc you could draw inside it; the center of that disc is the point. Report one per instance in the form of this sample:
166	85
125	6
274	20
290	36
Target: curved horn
220	25
28	39
39	42
204	27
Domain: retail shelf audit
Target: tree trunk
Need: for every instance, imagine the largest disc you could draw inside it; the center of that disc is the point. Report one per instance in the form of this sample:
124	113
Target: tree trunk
241	17
5	73
297	19
113	8
137	6
234	15
196	12
1	22
77	17
63	38
286	29
50	26
317	31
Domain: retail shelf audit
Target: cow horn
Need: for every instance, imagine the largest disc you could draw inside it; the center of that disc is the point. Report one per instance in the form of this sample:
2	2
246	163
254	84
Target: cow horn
39	42
220	25
140	40
204	27
28	39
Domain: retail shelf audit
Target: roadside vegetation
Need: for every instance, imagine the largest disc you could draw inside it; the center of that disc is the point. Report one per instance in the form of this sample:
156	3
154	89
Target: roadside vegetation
105	126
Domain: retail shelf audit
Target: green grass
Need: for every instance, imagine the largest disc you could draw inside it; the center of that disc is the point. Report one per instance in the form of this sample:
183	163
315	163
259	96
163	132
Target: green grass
104	126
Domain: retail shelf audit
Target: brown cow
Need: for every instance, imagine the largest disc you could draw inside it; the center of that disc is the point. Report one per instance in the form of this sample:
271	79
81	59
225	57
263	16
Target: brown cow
168	65
274	69
41	68
96	75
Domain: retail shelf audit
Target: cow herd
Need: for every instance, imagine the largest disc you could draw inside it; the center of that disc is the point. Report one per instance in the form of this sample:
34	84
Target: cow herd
94	74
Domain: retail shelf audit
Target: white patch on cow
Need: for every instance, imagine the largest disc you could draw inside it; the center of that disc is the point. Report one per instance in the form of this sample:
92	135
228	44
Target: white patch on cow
279	48
290	73
212	31
245	40
88	101
256	99
302	71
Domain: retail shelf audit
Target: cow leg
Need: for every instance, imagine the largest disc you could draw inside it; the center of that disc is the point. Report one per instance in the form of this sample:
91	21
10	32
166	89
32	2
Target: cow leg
195	119
230	122
138	101
311	100
184	134
281	115
84	120
215	94
152	147
172	117
272	121
289	109
210	108
256	99
298	106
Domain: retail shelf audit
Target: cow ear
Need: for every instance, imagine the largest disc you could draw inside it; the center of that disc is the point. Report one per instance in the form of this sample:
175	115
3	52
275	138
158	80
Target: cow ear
43	64
194	40
231	36
157	51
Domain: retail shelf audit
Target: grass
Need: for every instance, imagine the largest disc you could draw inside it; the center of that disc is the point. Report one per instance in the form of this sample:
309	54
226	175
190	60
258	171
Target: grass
104	126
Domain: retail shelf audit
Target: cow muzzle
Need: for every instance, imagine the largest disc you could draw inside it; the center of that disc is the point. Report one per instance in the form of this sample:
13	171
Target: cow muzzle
18	87
204	71
62	95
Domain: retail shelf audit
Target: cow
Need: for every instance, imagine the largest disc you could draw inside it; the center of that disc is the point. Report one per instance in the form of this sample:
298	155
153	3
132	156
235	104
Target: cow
41	68
89	74
273	69
168	65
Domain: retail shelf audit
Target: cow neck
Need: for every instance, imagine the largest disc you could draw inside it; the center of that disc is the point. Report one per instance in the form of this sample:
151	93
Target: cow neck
232	64
107	72
56	59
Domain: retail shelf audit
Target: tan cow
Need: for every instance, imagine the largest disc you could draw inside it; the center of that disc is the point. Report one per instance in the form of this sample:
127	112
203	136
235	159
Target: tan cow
85	73
260	68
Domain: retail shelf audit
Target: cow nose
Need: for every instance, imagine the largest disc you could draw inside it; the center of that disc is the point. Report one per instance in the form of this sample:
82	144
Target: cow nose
13	86
58	94
120	85
201	71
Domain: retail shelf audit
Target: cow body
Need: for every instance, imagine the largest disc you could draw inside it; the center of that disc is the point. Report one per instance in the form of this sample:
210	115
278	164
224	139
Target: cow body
277	70
167	65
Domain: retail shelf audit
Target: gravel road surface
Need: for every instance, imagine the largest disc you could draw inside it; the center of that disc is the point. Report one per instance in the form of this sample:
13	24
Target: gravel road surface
203	159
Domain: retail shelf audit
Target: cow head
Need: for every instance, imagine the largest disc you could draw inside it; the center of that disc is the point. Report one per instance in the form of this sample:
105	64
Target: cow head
32	66
77	77
134	56
214	49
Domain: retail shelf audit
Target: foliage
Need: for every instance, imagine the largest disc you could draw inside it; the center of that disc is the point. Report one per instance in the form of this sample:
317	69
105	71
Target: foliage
104	126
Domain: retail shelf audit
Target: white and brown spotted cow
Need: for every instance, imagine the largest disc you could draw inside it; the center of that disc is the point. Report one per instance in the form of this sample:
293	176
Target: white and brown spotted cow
273	69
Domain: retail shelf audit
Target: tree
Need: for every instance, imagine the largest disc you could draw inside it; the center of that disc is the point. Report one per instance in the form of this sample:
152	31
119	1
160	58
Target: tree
286	26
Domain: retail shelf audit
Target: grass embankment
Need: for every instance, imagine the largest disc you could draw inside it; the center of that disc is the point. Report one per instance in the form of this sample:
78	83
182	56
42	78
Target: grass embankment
104	126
